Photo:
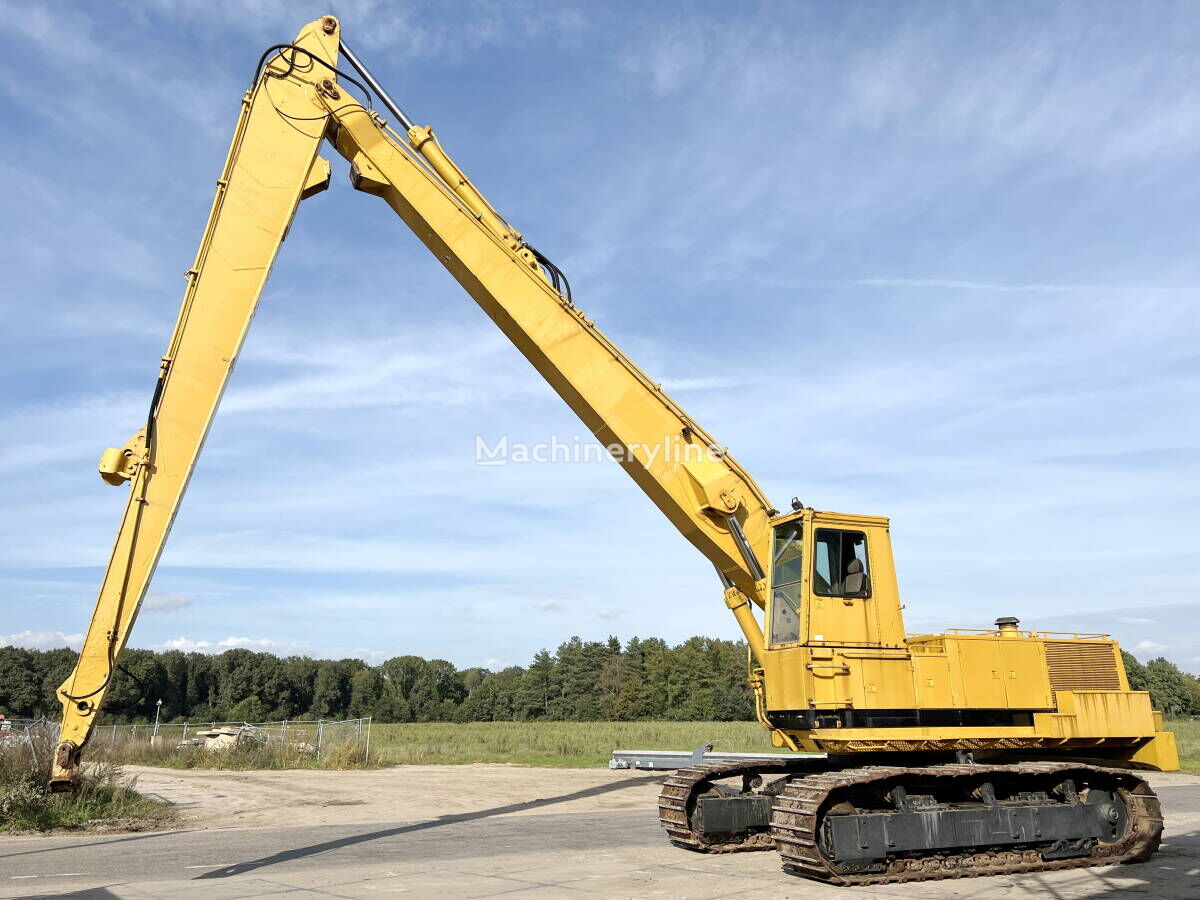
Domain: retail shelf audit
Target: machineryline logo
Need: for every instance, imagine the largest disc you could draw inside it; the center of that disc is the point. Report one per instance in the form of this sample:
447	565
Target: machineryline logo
577	450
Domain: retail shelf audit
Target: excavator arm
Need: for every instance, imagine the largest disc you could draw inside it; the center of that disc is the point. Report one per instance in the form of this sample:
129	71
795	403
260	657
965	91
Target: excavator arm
299	98
709	498
272	164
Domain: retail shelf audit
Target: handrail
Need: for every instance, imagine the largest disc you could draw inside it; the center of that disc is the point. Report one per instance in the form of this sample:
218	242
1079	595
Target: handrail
1076	635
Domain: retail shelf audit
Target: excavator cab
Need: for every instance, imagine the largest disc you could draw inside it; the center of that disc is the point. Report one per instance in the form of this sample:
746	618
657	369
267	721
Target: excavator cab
832	581
840	568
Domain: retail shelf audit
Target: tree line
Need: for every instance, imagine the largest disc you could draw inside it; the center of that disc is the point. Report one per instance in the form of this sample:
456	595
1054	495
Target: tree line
699	679
1172	690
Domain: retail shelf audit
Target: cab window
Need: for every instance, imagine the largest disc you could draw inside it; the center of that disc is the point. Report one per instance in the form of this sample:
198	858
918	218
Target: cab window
787	570
840	564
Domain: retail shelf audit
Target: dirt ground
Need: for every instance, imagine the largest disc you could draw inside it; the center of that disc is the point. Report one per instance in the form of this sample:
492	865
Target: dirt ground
219	799
484	831
264	799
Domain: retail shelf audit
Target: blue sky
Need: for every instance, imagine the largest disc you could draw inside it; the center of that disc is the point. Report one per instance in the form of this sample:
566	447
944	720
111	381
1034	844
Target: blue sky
936	262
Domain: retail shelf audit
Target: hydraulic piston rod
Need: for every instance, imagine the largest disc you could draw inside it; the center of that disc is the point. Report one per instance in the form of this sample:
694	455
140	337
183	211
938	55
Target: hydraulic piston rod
384	97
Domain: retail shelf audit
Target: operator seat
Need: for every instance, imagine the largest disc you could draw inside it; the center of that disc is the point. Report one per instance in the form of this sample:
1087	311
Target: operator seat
856	578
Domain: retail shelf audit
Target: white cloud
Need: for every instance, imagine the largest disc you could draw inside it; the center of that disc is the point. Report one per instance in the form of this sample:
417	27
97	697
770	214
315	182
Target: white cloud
1017	288
1149	646
407	31
370	657
259	645
159	602
546	605
1135	620
41	640
709	383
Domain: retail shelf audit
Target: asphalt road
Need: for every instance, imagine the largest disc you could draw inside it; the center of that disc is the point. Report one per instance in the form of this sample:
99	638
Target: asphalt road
506	850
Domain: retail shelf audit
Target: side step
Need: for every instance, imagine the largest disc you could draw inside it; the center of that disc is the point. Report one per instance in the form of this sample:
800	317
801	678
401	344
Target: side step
703	755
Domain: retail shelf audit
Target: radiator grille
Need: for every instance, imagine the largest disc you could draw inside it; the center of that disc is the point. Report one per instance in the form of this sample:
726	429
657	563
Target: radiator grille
1082	666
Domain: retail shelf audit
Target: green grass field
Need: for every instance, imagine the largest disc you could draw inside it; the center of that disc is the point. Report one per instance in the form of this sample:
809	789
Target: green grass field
555	744
559	744
585	744
1187	736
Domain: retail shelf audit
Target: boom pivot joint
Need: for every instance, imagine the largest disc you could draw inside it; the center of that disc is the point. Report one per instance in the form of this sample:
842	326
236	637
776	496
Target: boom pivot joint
120	464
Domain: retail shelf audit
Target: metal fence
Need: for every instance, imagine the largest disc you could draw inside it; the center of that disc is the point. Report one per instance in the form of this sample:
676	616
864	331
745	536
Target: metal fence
9	727
38	735
24	730
317	737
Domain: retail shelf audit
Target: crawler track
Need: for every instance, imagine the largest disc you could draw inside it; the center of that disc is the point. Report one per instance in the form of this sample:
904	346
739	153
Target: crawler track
800	809
679	792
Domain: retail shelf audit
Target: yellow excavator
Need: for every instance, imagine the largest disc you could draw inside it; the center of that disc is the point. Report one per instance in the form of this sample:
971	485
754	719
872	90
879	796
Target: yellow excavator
971	752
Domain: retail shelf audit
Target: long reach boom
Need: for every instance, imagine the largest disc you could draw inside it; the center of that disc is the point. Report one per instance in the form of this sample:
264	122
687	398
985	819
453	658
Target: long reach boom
299	101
